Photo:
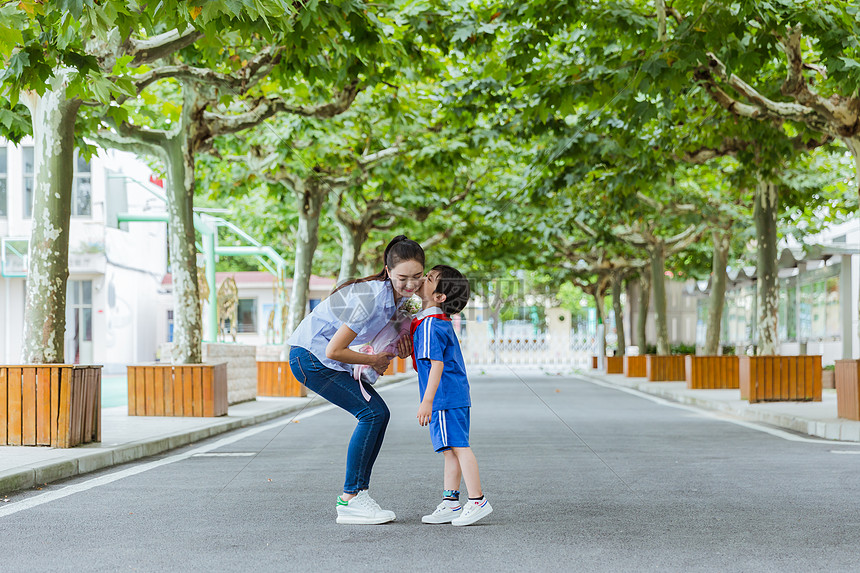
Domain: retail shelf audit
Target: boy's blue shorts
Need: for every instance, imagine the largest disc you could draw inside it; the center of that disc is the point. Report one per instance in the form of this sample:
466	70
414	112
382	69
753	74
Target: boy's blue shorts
450	429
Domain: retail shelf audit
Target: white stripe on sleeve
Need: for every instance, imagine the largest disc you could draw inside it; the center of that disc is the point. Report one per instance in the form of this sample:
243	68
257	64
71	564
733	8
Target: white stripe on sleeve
425	341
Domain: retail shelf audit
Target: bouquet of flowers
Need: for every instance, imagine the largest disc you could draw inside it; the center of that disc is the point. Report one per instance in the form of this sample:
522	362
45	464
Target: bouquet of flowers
386	339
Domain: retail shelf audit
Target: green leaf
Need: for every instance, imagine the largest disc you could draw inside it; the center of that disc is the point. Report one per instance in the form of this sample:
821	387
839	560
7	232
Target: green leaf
849	62
73	7
15	68
10	38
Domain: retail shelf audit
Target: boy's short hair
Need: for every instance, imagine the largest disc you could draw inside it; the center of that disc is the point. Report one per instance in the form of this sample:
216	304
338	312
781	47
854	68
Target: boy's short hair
454	286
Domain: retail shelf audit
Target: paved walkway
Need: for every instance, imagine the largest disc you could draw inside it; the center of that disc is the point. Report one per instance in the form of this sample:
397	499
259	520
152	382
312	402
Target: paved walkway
582	477
817	419
126	438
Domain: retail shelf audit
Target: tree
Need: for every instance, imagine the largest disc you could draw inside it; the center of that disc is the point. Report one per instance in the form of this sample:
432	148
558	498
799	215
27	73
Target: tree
50	68
646	233
234	81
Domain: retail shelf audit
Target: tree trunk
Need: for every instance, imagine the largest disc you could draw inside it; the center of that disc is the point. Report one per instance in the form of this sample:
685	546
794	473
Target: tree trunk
53	117
310	207
722	242
658	283
853	144
767	282
601	315
617	285
642	317
188	323
352	240
496	316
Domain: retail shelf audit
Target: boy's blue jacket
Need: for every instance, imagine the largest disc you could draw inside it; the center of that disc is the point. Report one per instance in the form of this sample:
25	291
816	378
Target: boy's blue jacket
433	338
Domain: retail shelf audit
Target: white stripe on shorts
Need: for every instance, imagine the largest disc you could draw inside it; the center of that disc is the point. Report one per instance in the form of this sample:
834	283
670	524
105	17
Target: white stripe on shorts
443	426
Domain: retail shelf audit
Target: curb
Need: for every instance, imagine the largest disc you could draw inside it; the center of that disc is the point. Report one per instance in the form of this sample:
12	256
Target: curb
84	462
832	429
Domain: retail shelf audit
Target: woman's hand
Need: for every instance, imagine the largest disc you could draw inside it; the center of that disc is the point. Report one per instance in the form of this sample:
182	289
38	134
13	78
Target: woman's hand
379	362
404	346
425	412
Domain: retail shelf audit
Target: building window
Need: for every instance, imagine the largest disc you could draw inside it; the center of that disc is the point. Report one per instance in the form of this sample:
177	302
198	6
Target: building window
787	319
79	321
832	322
82	188
3	181
28	173
819	305
739	316
247	315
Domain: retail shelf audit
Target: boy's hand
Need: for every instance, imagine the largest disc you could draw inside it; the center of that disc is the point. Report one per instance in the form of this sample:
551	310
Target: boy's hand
404	346
379	362
425	412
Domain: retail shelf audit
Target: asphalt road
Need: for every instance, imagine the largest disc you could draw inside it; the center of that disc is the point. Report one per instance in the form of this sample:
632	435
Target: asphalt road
581	477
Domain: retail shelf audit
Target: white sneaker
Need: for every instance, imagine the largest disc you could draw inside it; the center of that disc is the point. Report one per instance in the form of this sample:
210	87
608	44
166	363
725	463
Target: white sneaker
362	510
443	514
472	512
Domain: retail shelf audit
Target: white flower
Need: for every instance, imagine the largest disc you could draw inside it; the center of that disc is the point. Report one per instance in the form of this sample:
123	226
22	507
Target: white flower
412	305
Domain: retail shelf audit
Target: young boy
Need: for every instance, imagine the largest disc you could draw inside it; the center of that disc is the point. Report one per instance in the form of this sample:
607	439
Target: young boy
444	393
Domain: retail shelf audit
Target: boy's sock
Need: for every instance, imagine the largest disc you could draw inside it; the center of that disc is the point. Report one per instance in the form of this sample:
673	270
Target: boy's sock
451	497
476	498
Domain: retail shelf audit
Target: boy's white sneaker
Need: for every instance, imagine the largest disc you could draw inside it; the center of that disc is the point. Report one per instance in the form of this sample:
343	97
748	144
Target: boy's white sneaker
443	514
362	510
472	512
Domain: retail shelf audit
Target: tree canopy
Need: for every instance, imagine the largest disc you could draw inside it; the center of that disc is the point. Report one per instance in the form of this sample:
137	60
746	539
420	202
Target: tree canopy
593	142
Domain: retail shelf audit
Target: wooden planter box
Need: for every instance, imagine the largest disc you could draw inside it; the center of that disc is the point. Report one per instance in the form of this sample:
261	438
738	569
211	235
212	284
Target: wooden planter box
177	390
848	389
614	364
57	405
664	368
398	366
711	372
780	378
635	366
392	367
276	379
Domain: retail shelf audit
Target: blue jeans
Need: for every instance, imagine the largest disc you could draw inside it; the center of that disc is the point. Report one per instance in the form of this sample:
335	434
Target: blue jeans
342	390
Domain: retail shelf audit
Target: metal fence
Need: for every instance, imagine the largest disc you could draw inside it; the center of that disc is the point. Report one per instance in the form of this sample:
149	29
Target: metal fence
536	350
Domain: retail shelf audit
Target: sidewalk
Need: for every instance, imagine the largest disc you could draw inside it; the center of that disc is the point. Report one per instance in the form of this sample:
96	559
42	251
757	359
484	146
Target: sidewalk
126	438
813	418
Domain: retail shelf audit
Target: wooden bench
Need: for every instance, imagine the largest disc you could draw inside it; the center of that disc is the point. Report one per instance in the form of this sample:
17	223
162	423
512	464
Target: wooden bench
635	366
198	390
711	372
848	389
276	379
664	368
780	378
614	364
57	405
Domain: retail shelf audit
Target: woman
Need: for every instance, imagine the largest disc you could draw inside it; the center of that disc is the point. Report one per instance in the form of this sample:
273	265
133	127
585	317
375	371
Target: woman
321	359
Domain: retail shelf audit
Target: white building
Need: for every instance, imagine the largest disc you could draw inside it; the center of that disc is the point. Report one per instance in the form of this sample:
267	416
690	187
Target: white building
114	271
818	295
818	306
